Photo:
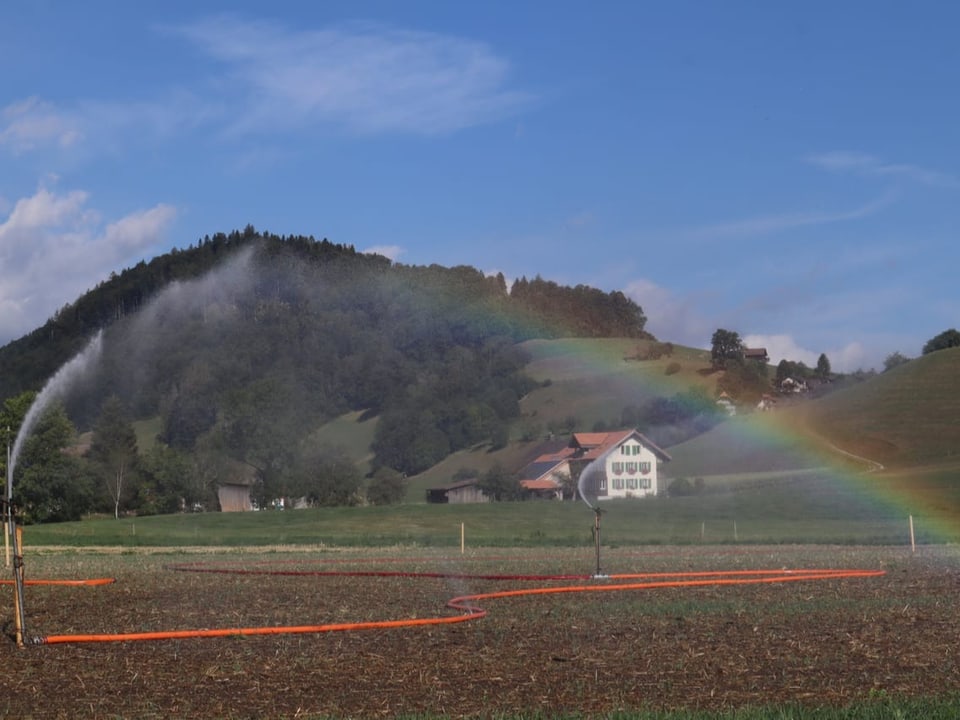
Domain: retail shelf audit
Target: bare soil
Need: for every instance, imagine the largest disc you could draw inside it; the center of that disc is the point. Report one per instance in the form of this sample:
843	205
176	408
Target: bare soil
815	643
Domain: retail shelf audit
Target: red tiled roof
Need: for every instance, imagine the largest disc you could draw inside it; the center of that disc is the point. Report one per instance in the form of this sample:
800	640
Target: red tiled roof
596	444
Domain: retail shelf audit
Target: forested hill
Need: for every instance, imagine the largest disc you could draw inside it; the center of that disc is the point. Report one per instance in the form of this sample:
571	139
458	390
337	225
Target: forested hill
535	308
246	342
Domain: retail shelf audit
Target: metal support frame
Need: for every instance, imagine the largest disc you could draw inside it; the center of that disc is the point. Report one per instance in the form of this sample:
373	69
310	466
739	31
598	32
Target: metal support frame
596	537
14	537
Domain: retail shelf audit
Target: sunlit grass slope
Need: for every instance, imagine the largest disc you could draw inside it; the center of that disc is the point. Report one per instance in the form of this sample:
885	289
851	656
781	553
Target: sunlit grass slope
592	379
759	443
353	434
906	417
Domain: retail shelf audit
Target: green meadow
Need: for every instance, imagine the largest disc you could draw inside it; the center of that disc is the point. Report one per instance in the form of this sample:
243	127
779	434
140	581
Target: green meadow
803	508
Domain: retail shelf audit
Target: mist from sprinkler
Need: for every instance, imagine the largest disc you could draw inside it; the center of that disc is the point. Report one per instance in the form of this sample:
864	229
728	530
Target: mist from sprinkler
585	487
138	338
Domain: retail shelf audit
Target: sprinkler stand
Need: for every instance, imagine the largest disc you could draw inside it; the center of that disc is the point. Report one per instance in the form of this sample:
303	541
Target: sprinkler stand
15	537
596	537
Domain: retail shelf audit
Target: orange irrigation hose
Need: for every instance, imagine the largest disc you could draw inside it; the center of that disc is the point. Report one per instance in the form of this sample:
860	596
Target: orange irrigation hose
465	603
69	583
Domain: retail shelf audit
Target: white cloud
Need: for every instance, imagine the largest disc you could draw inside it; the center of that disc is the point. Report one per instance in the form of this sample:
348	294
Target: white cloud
669	317
864	164
783	347
368	78
388	251
53	248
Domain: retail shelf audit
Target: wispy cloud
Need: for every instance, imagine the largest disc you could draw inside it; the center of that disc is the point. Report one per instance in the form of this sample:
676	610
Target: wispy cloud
94	126
53	246
31	123
369	79
769	224
869	165
268	78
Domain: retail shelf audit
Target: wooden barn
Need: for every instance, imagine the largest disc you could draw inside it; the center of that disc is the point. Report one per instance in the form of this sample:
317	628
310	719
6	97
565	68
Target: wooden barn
464	491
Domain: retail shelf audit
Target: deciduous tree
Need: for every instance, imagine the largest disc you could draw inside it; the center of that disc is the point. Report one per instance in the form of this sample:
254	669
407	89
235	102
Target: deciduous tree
947	339
50	484
114	451
823	367
726	345
498	484
893	360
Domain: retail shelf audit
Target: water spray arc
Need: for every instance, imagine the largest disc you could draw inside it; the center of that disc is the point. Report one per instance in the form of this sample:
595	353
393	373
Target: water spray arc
585	487
72	371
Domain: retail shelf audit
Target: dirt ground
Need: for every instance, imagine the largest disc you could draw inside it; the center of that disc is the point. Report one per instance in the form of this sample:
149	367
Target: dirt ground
818	642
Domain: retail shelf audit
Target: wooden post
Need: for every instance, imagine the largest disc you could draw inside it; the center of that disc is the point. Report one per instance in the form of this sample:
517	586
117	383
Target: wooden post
6	516
703	530
913	543
735	538
462	539
18	588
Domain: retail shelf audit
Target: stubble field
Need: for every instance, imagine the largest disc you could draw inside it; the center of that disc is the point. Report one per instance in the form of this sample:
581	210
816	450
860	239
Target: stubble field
814	643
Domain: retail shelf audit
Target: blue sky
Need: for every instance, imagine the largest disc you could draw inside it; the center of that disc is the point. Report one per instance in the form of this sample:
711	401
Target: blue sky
787	171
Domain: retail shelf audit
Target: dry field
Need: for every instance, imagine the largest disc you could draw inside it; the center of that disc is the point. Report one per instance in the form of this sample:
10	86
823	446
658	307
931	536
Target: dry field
823	642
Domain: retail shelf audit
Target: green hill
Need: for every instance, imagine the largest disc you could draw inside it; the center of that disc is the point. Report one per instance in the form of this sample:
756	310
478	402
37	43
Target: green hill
906	417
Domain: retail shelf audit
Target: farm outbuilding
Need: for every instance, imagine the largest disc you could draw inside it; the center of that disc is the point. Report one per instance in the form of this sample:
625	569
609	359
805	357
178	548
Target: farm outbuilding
464	491
234	497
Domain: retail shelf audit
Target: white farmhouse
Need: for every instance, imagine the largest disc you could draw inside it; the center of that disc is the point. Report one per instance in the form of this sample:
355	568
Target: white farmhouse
631	462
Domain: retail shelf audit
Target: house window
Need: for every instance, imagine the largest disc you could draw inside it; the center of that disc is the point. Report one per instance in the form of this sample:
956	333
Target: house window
617	483
617	467
631	483
624	449
645	467
603	485
644	483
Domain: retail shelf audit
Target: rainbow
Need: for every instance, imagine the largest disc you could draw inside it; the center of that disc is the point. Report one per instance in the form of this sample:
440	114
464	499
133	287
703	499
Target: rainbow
761	445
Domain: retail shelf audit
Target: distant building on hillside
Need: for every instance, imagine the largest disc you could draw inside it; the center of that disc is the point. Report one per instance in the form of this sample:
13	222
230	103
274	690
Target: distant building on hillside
462	491
725	402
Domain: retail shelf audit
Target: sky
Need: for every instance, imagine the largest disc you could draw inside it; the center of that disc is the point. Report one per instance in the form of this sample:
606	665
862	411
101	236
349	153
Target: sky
788	171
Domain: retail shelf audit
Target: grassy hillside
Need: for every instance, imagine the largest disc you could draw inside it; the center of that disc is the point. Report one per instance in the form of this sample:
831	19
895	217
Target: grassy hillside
759	443
351	434
906	417
593	379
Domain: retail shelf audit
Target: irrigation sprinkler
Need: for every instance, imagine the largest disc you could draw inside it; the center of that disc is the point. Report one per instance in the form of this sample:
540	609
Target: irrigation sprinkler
597	512
586	487
14	537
